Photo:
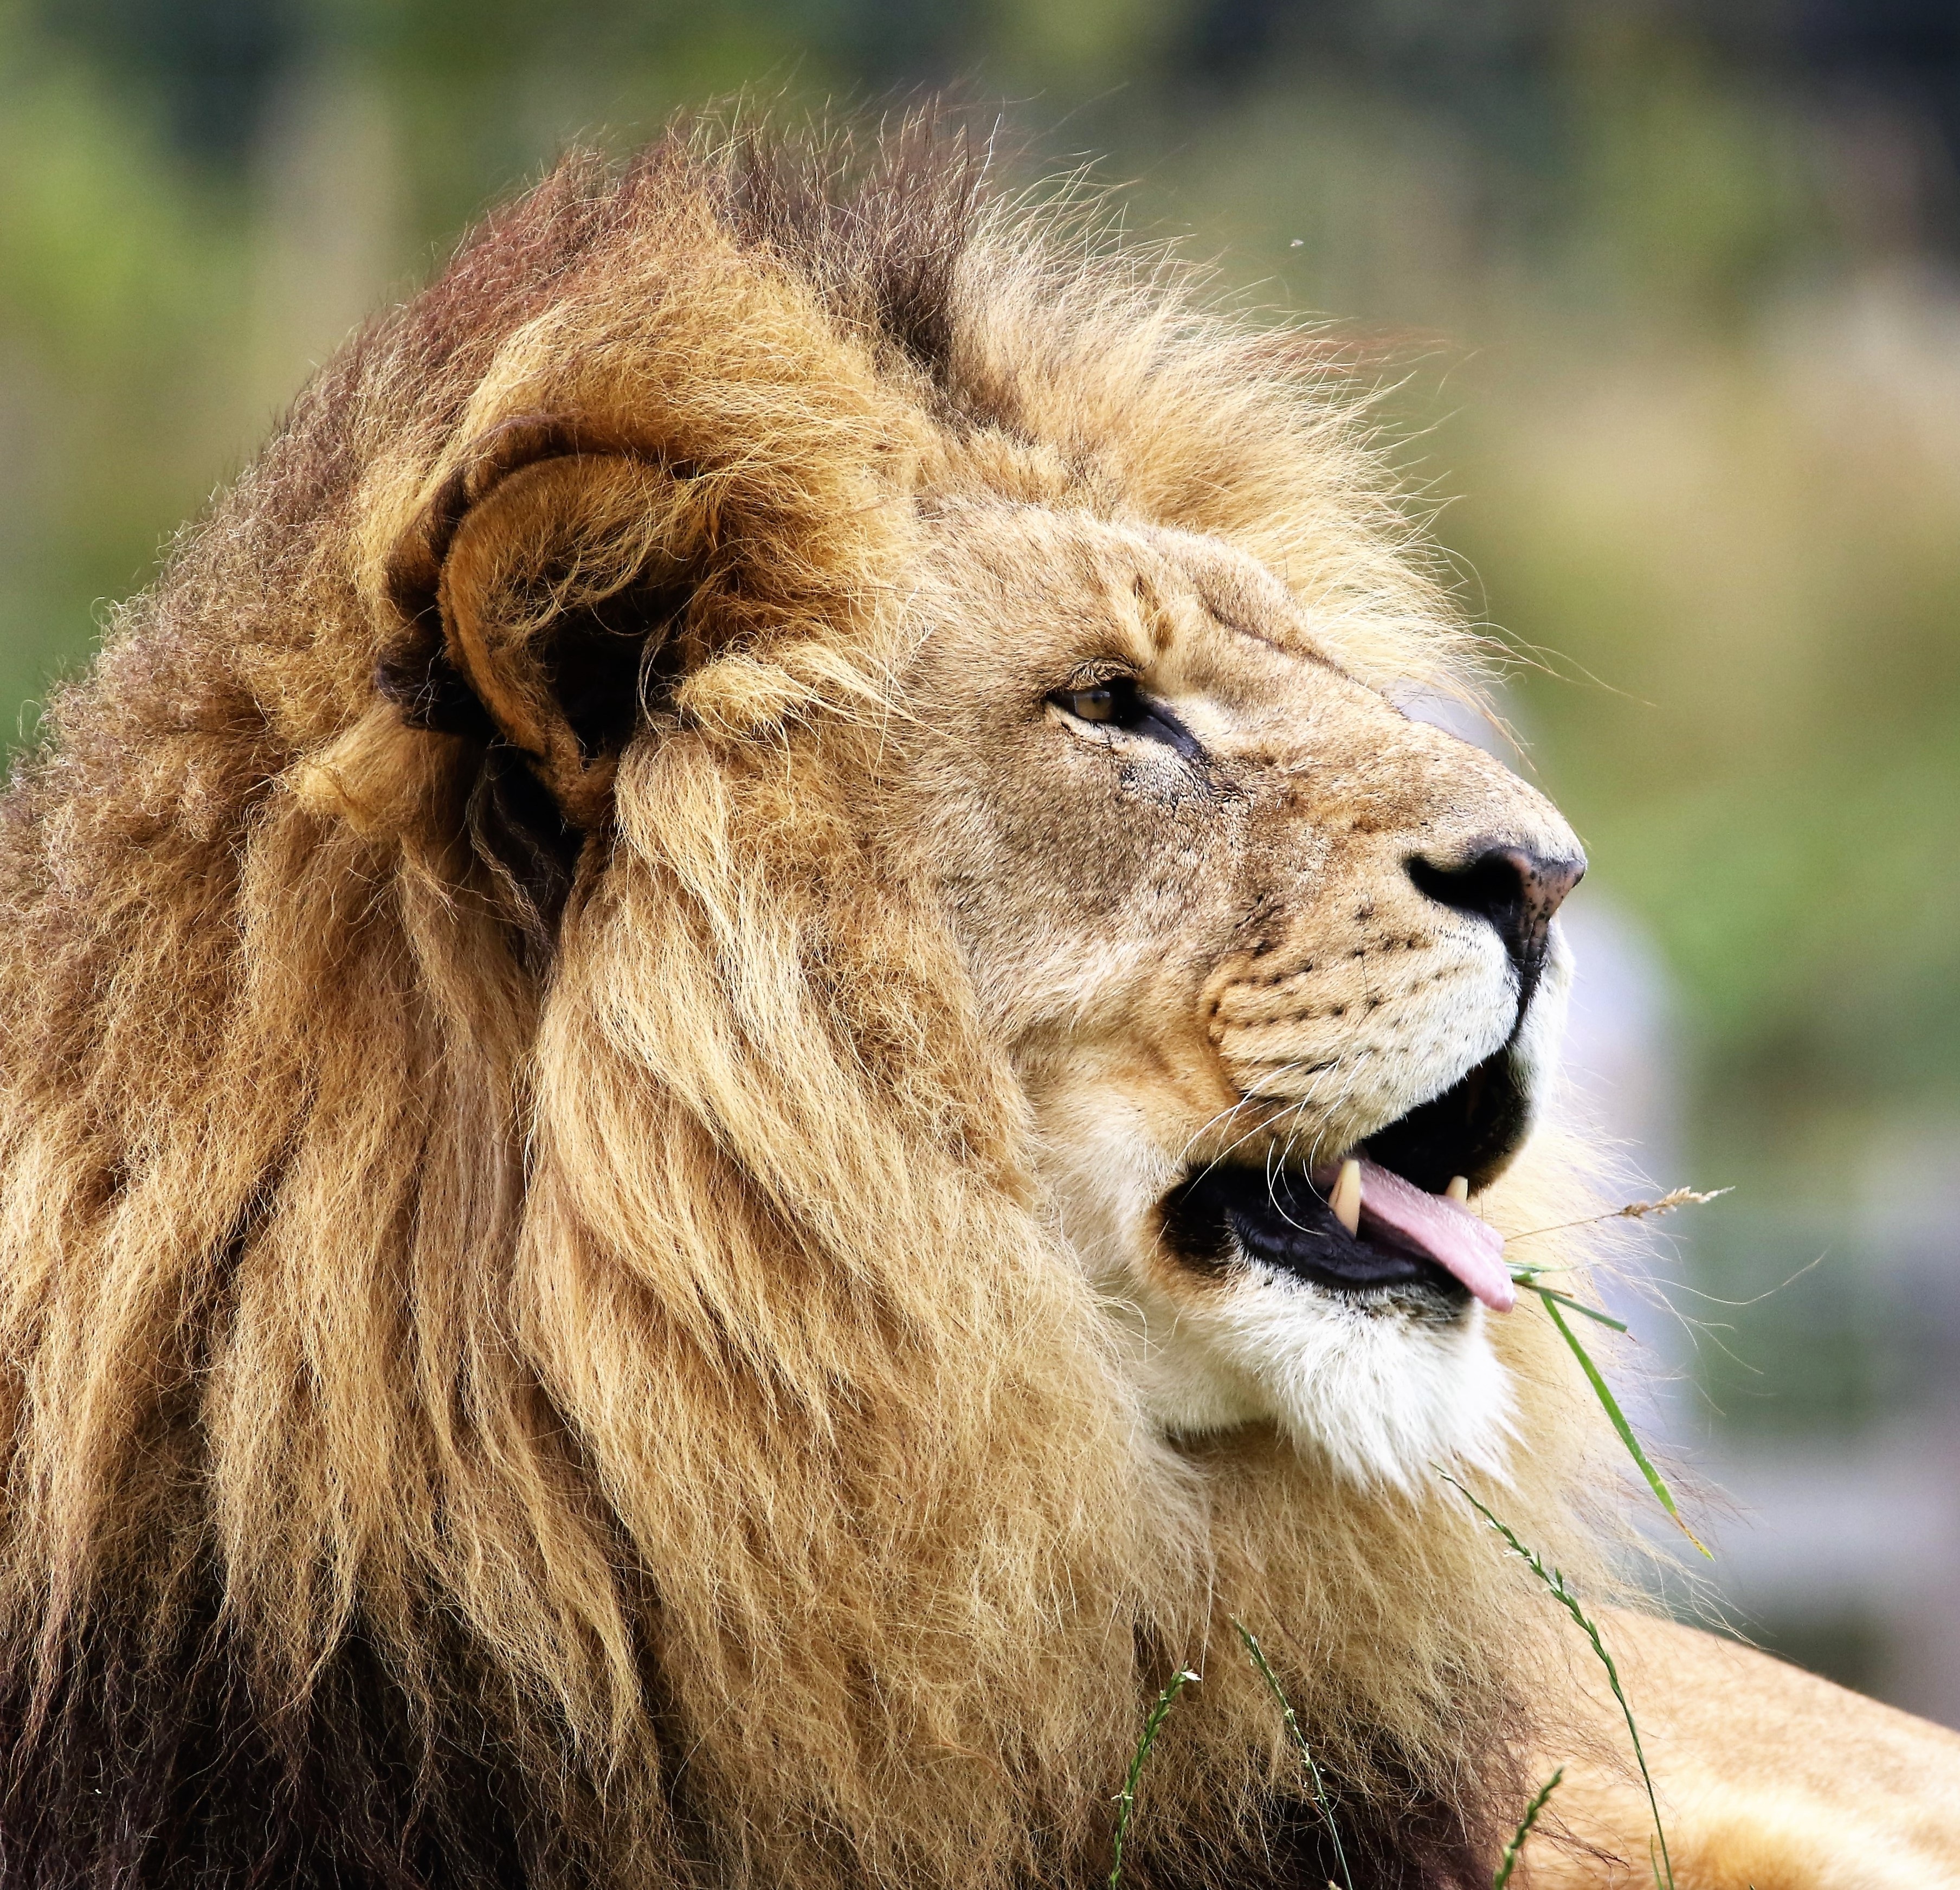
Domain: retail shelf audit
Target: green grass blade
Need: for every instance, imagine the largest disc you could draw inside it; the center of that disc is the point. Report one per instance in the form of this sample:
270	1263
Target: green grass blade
1508	1862
1611	1406
1554	1582
1126	1797
1293	1725
1604	1317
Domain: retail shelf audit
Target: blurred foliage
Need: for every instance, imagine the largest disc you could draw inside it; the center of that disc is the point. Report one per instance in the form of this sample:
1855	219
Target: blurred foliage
1666	291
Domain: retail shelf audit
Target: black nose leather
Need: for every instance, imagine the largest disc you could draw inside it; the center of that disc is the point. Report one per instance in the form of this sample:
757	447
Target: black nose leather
1515	889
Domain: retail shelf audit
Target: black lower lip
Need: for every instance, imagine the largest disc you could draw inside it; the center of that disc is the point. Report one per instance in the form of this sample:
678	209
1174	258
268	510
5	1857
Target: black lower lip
1222	1213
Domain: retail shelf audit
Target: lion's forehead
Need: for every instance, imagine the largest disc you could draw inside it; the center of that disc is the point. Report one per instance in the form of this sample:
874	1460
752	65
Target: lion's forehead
1163	586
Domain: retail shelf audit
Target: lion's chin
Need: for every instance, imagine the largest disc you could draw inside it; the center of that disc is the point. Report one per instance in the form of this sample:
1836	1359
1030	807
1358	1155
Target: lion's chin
1381	1386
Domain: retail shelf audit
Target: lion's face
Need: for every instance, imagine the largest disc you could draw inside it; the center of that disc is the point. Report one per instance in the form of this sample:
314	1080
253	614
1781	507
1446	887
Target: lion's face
1237	919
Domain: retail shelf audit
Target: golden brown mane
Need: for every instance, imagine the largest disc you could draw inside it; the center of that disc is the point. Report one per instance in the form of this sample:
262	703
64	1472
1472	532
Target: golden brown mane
532	1353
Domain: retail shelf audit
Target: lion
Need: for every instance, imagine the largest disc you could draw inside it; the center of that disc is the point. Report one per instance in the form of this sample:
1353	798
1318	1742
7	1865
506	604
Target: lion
751	1066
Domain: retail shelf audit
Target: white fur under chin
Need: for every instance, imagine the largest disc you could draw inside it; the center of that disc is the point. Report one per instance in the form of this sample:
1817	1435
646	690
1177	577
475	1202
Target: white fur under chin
1380	1390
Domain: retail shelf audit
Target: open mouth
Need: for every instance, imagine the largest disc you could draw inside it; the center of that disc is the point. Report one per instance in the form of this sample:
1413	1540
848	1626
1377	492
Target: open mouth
1392	1215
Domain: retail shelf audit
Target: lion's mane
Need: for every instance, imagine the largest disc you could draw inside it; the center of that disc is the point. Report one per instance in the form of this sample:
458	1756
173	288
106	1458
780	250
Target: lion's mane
532	1353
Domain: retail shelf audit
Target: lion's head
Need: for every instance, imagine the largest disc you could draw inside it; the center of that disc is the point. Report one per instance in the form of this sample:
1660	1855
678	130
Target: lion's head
687	1014
1233	916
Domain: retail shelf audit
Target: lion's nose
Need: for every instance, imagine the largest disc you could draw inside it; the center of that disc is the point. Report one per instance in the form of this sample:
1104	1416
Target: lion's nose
1516	889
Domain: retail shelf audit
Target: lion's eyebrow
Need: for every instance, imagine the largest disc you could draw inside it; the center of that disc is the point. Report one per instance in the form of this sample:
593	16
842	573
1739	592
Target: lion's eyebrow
1226	619
1225	622
1299	653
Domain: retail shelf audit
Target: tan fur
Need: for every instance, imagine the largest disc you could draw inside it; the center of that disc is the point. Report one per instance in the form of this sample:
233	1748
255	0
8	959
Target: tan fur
680	1299
1767	1777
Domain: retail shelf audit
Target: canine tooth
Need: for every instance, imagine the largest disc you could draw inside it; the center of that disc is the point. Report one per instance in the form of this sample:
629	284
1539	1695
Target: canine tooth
1346	1198
1458	1189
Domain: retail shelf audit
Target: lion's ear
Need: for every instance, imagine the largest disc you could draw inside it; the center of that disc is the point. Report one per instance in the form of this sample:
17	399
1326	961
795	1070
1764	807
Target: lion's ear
565	582
545	585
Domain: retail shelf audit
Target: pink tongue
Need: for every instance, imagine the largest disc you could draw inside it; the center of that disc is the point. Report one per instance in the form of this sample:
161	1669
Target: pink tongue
1452	1236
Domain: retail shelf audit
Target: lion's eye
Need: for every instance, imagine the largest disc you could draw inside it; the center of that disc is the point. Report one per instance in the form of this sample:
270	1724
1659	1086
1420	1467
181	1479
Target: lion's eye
1116	701
1101	702
1119	702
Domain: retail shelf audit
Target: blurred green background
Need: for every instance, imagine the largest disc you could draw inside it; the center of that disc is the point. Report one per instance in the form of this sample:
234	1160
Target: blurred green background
1669	294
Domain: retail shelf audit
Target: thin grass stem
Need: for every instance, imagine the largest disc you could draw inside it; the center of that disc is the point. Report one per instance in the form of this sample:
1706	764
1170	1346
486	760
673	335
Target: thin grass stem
1127	1798
1554	1581
1293	1725
1508	1862
1633	1211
